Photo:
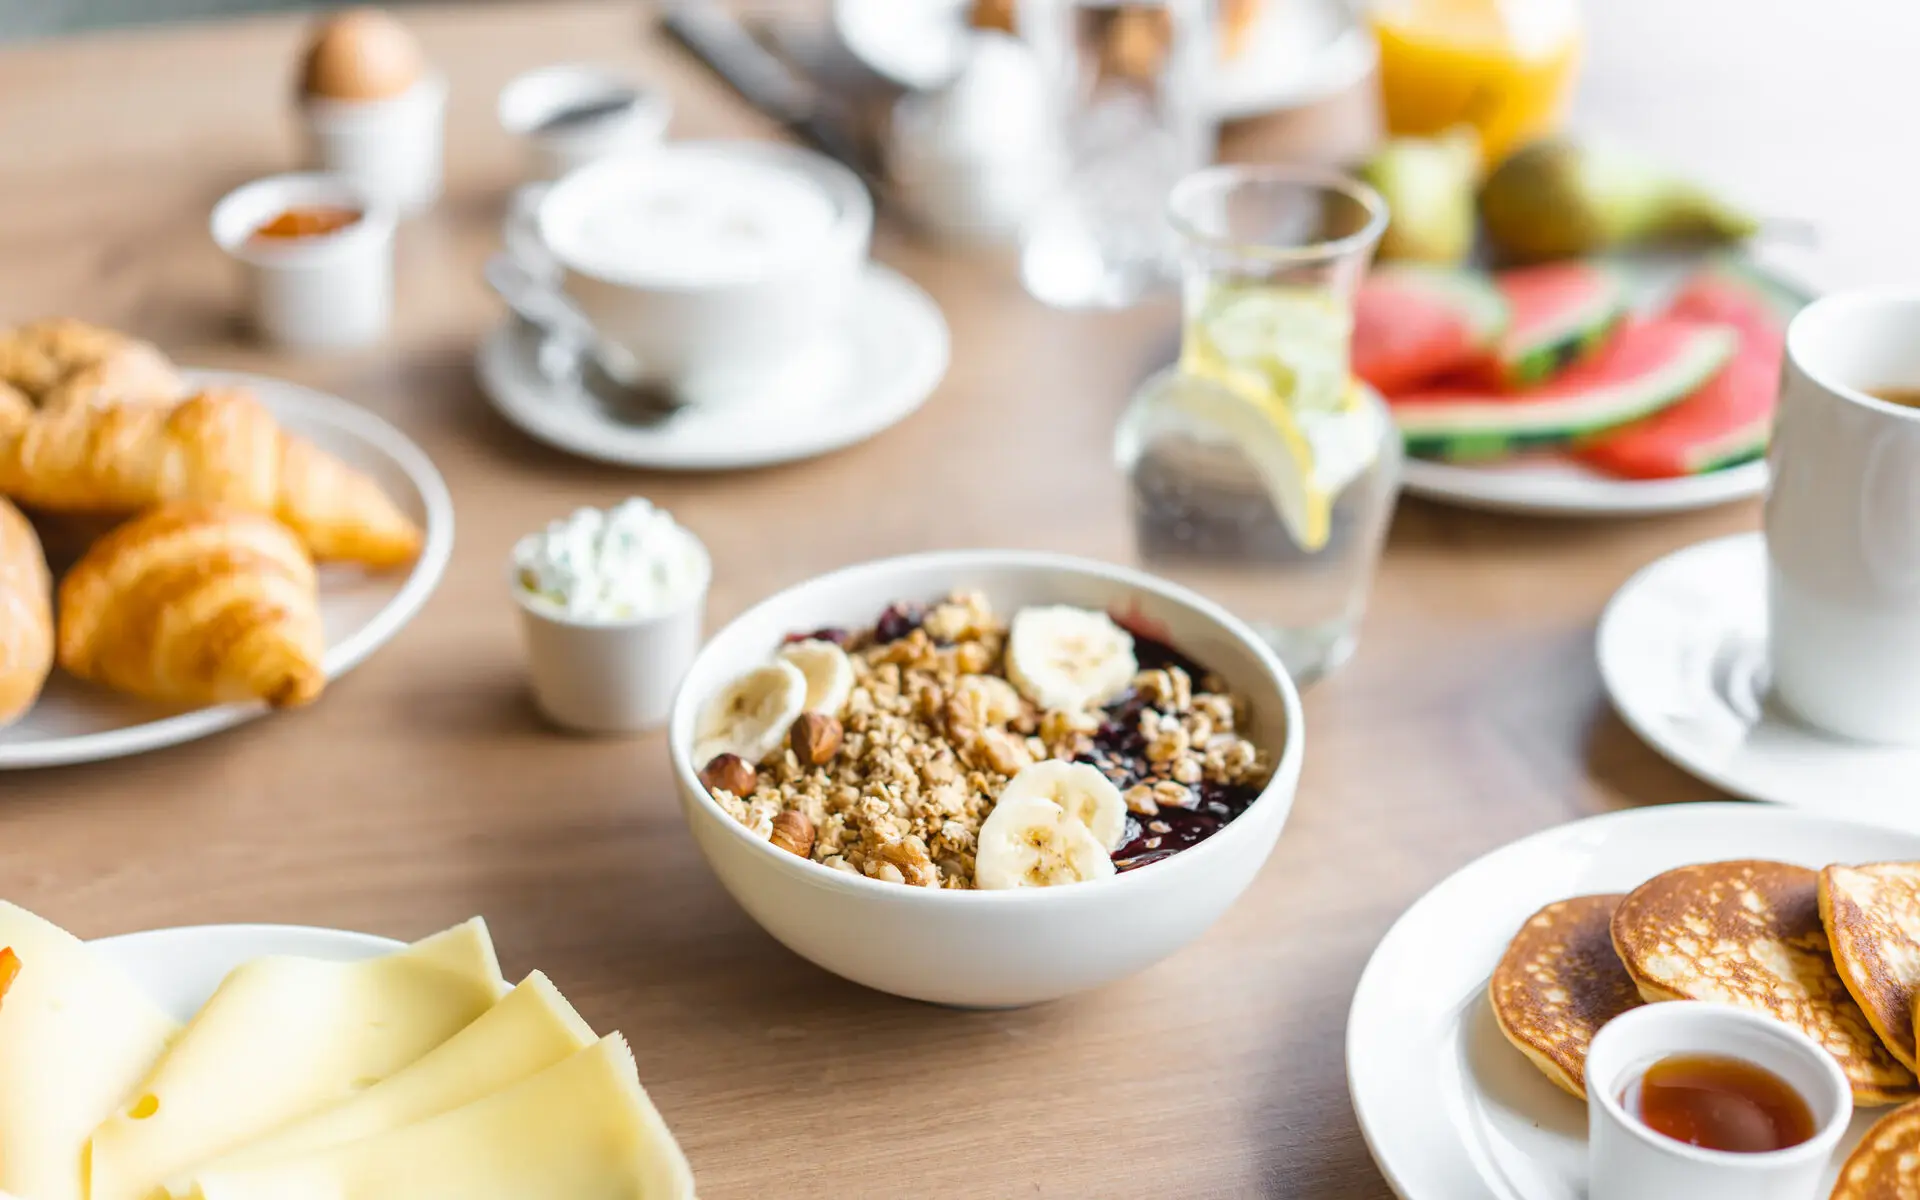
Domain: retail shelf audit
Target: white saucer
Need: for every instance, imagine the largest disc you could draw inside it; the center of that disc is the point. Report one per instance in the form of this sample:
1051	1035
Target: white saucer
1683	654
893	355
73	722
180	967
1297	53
1549	486
1448	1107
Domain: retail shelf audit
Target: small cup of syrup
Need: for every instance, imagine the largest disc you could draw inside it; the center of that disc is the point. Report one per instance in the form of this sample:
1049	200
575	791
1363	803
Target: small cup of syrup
1692	1101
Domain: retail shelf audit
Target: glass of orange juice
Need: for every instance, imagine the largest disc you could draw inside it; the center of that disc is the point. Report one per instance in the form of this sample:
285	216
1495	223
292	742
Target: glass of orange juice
1505	67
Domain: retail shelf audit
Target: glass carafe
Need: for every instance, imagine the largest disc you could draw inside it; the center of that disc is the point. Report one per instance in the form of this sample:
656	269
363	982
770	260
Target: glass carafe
1260	472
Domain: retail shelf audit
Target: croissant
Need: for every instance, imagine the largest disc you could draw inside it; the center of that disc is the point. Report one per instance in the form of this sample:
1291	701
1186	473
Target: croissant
218	447
62	361
195	604
26	615
14	406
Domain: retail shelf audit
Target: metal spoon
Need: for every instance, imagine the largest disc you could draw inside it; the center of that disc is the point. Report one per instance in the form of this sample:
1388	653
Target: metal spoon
566	351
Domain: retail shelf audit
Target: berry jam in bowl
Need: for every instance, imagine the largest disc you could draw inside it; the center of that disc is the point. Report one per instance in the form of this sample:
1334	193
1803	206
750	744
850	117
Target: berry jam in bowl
986	778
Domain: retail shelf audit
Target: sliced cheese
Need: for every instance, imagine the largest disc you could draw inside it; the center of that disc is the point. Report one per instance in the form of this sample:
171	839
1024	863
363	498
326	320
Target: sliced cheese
583	1129
75	1036
530	1030
283	1038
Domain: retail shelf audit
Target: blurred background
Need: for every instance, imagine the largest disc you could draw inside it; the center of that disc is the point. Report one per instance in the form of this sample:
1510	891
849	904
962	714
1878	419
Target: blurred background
21	19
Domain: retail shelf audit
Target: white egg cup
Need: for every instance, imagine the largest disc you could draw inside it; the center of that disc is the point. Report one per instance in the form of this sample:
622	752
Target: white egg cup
1629	1161
331	292
535	97
610	677
392	148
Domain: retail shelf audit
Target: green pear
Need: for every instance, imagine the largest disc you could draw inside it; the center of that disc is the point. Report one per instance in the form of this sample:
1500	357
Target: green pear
1556	199
1428	186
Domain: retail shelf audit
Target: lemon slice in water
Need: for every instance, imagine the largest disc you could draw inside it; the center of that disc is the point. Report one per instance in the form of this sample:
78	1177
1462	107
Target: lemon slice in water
1270	441
1285	345
1279	357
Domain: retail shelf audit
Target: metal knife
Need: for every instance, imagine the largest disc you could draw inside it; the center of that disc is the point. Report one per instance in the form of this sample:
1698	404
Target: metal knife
718	39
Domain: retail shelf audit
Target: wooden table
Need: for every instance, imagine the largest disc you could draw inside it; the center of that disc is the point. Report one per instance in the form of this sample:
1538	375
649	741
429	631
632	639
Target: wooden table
424	789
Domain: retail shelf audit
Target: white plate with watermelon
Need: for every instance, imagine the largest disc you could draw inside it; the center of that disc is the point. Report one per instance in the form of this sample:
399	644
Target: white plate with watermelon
1615	388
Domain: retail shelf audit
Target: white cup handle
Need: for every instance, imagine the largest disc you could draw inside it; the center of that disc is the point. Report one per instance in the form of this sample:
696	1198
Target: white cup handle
520	233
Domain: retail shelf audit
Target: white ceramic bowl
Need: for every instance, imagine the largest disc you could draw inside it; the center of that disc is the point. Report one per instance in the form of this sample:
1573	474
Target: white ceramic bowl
994	949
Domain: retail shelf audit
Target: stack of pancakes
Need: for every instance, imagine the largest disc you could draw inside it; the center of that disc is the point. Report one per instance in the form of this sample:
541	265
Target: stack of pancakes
1834	953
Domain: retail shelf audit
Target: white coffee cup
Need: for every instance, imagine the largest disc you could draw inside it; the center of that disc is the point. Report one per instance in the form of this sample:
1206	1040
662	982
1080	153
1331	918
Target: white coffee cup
714	269
1843	520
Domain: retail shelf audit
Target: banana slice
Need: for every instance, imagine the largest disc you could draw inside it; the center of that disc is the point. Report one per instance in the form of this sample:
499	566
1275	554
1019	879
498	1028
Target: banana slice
751	715
829	674
1081	791
1029	841
1069	658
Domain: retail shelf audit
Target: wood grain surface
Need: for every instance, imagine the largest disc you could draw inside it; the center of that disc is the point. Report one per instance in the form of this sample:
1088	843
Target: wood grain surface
423	788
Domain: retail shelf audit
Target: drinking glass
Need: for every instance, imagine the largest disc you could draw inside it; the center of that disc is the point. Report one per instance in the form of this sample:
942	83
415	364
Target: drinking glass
1260	472
1125	86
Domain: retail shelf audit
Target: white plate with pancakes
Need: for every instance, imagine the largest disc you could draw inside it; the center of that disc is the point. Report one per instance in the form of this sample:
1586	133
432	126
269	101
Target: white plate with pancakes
1448	1107
74	722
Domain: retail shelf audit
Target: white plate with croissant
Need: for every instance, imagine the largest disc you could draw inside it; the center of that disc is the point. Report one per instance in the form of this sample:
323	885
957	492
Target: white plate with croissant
194	563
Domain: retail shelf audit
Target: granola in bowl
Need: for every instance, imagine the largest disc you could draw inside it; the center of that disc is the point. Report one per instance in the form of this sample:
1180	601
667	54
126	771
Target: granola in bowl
946	746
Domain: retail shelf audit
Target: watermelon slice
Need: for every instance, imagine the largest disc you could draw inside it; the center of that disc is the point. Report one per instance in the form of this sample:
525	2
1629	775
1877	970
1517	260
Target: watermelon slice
1727	422
1412	324
1562	312
1648	366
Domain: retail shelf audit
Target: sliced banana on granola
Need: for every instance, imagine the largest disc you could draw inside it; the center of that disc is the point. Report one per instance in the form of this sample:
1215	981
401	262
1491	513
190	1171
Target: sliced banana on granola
828	670
1061	657
751	715
1050	826
1079	788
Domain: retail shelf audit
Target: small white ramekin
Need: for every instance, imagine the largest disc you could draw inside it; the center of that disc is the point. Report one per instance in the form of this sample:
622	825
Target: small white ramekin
1628	1161
392	148
993	949
609	677
331	292
538	95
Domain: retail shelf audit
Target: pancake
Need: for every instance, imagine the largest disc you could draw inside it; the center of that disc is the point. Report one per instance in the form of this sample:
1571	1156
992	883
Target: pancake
1872	917
1886	1163
1748	933
1558	983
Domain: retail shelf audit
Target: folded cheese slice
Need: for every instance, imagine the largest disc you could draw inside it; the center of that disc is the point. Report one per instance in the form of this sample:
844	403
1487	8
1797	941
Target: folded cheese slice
283	1038
582	1129
75	1036
530	1030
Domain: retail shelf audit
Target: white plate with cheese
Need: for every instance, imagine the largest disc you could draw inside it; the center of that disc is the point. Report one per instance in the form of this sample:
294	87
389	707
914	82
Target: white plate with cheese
263	1062
74	722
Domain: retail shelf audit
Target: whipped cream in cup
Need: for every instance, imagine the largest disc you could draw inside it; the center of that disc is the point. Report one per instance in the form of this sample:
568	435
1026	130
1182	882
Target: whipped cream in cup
611	604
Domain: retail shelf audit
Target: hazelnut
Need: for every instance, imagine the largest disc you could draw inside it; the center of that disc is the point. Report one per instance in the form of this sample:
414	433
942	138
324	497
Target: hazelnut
793	833
730	773
815	737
